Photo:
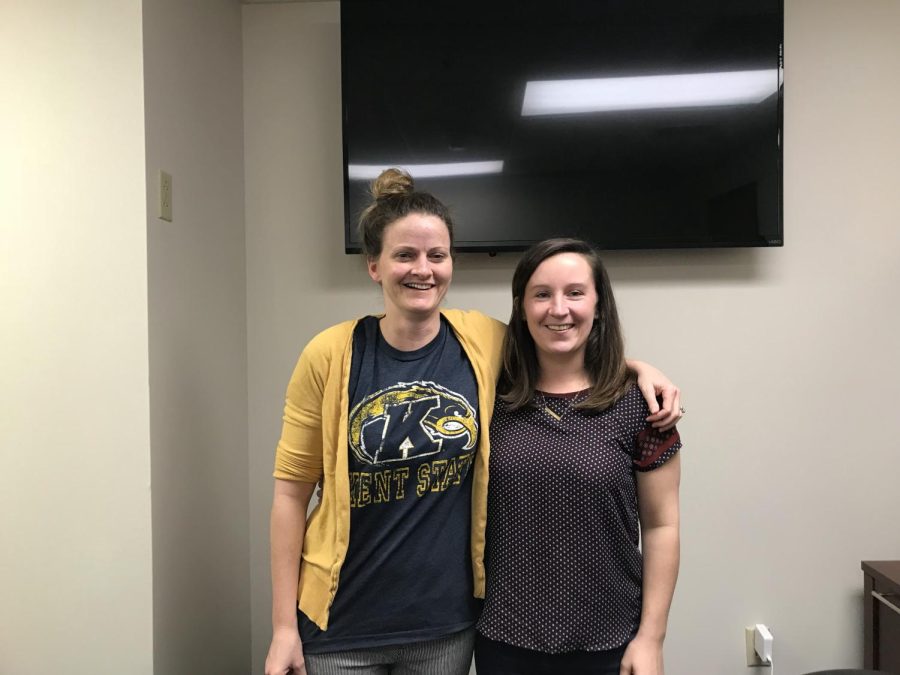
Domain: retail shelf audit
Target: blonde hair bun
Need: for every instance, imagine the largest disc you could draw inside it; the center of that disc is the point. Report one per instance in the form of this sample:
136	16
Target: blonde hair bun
392	182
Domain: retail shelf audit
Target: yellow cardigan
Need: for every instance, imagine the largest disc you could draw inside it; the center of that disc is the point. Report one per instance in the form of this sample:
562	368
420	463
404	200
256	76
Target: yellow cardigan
313	448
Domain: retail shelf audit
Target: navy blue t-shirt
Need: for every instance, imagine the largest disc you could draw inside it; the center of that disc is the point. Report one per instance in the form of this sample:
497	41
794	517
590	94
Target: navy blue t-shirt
412	435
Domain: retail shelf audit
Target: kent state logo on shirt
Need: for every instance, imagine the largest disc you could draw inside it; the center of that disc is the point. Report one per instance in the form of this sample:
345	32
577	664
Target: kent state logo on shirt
411	420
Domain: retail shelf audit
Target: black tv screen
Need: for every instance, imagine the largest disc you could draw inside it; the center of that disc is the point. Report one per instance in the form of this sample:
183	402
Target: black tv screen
631	123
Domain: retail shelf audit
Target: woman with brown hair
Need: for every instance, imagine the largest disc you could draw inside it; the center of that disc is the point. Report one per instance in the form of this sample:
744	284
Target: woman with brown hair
578	478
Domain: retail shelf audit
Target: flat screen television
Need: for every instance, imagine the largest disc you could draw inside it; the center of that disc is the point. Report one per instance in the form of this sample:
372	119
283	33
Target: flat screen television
635	124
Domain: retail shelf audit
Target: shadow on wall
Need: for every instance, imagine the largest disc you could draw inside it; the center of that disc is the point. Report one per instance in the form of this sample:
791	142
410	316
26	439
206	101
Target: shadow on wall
736	265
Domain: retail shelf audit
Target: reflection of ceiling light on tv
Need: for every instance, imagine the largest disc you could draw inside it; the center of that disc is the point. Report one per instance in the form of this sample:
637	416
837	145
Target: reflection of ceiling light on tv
371	171
566	97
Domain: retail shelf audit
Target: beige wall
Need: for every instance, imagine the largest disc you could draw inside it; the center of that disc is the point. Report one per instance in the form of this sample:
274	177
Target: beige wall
75	572
787	356
197	317
91	455
293	207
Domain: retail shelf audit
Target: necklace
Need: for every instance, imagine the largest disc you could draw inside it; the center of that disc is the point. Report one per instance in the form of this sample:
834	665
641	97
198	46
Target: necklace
562	402
552	414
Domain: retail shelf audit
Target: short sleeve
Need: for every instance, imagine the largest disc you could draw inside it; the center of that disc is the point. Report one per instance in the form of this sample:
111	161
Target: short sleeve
653	448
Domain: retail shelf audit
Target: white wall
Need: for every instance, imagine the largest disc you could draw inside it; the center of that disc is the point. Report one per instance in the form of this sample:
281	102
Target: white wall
293	196
75	572
197	317
790	362
86	584
787	356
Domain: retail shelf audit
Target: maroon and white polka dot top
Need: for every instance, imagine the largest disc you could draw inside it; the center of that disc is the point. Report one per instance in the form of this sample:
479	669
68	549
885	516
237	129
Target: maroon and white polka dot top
562	556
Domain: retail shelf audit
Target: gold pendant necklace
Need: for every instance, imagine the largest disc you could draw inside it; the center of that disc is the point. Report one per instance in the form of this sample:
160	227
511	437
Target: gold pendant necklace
568	401
552	414
545	406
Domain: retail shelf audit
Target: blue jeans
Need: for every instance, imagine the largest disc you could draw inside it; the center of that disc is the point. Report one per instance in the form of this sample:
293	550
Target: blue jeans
499	658
451	655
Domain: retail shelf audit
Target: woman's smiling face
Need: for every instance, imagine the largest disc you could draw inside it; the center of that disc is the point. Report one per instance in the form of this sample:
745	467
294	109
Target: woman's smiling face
415	267
560	304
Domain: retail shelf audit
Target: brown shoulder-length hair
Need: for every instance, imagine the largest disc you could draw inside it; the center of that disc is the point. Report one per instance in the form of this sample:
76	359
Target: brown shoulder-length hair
604	356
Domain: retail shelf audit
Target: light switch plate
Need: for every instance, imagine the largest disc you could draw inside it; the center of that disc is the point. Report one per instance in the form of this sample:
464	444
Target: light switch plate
165	196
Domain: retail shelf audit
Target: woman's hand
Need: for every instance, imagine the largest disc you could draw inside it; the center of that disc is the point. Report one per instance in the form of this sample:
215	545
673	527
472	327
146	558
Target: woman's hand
285	653
643	656
655	385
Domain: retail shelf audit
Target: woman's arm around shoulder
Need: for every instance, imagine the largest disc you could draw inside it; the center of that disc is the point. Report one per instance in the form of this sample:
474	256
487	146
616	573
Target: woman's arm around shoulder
655	385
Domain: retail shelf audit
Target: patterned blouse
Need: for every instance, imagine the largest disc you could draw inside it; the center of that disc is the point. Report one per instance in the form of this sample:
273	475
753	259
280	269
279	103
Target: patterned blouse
563	558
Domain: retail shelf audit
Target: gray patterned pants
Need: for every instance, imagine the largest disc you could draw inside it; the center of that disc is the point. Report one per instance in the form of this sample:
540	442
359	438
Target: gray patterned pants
451	655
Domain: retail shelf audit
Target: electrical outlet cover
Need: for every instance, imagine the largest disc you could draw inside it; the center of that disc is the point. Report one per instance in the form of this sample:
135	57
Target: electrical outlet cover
752	657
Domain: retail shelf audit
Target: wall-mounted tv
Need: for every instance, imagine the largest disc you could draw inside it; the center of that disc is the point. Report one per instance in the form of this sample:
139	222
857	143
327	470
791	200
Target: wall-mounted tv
635	124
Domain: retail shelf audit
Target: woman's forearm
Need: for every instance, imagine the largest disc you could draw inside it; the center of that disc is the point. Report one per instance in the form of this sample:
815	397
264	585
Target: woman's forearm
287	530
659	508
661	552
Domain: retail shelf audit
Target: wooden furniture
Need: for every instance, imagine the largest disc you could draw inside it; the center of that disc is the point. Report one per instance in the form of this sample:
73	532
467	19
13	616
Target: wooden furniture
882	615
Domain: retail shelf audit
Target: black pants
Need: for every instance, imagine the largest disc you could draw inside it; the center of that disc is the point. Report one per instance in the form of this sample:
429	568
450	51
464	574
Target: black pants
499	658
